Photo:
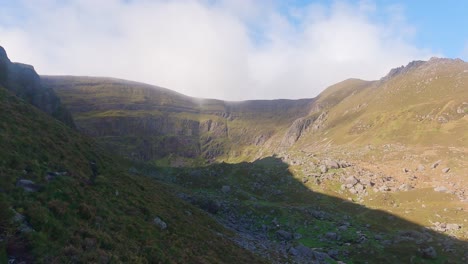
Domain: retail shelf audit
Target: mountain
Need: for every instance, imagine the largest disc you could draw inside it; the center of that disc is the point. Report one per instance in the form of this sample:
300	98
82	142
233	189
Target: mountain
65	200
208	181
397	145
151	123
423	104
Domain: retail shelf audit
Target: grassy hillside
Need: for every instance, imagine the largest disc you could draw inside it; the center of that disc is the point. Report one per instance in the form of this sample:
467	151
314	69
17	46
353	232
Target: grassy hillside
150	123
70	216
422	104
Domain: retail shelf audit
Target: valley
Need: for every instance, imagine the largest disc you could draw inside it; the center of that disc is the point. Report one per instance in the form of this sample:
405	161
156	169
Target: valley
366	172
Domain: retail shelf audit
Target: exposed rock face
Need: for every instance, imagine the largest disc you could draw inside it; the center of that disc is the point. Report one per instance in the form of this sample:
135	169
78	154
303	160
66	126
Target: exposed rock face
302	125
23	81
145	122
402	69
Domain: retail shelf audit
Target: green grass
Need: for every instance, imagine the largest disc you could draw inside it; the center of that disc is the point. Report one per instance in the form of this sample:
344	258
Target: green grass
109	221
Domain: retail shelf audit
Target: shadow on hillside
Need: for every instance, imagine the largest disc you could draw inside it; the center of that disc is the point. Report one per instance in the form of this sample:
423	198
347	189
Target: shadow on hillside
263	199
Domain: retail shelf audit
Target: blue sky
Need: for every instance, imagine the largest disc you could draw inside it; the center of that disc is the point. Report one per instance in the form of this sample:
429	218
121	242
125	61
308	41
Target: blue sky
232	49
441	25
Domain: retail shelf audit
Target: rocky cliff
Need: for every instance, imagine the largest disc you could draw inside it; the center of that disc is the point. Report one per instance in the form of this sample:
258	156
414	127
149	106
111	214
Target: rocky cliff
23	81
150	123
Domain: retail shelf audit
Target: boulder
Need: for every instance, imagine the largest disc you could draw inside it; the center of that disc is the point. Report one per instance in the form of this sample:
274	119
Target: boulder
351	180
331	164
421	167
323	169
429	253
28	185
435	164
452	227
384	188
160	223
226	189
359	187
307	255
445	170
405	187
440	189
332	236
284	235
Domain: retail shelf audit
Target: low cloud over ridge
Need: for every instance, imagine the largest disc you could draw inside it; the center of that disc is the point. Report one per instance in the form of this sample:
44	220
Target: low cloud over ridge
231	49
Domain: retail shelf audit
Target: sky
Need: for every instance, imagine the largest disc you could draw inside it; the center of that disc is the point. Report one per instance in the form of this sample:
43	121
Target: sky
232	49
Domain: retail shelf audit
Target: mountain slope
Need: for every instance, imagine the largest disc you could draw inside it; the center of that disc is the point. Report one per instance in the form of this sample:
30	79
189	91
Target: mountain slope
24	82
56	206
149	123
424	103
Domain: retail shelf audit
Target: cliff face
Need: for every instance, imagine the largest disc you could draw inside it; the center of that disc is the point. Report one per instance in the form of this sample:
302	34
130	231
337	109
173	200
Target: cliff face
23	81
147	122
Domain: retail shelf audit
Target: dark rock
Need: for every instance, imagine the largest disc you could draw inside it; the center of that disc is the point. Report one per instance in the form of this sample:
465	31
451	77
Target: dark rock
226	189
28	185
24	226
54	175
160	223
306	255
284	235
342	228
332	236
429	253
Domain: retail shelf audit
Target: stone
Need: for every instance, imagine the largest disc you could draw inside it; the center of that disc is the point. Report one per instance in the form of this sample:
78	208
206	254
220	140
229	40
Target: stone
435	164
342	228
331	164
284	235
440	189
160	223
323	169
50	176
452	227
226	189
384	188
445	170
297	236
405	187
310	256
429	253
405	170
421	167
351	180
359	187
331	236
28	185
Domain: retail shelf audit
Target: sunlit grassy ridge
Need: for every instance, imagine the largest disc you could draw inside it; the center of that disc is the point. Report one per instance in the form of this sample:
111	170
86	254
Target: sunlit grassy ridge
424	105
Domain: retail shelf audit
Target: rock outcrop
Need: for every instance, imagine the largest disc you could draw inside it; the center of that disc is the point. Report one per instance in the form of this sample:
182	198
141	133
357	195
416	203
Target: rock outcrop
23	81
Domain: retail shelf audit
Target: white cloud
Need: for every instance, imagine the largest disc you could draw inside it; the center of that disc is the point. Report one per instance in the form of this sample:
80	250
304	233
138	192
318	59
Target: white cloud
228	49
